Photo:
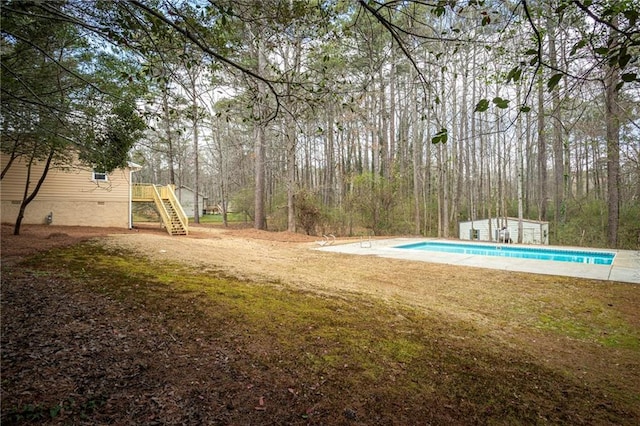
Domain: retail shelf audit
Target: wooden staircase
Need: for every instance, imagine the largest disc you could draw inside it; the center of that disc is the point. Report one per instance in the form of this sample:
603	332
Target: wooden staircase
175	225
174	220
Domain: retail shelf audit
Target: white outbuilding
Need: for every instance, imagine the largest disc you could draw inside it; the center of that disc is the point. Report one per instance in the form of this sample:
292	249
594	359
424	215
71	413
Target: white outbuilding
186	196
501	228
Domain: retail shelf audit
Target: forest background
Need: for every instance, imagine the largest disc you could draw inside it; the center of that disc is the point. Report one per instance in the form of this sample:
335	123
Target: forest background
342	116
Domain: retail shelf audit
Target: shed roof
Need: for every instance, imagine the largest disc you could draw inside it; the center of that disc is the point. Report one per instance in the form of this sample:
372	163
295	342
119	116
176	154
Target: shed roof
192	191
511	219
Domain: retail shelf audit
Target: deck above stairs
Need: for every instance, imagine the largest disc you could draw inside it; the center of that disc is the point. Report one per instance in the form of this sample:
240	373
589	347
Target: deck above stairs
173	217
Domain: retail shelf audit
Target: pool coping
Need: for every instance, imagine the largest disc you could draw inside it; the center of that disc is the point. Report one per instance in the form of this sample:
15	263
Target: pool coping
625	266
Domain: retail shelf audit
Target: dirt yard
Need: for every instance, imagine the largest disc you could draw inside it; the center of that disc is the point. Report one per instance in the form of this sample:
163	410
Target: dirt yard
256	255
492	302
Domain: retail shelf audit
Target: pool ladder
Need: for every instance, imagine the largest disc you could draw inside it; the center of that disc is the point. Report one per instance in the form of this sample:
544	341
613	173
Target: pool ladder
365	243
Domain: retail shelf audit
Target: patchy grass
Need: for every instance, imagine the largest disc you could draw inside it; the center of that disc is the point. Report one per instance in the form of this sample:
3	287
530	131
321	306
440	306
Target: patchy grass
217	218
599	327
339	359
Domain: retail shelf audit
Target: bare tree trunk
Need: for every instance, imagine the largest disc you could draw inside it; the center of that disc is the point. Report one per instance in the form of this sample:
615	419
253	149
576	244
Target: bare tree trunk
391	137
329	169
519	166
259	151
499	171
28	198
417	134
612	119
597	172
440	191
383	129
455	170
292	143
558	151
444	161
542	156
529	179
167	123
196	149
464	172
578	154
373	134
291	174
12	156
260	218
221	164
476	183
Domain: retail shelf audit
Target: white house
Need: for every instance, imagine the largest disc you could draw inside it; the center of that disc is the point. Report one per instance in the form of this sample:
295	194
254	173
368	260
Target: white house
186	197
533	231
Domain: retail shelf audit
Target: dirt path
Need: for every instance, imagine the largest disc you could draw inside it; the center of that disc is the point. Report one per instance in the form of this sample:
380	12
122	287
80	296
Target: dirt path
290	259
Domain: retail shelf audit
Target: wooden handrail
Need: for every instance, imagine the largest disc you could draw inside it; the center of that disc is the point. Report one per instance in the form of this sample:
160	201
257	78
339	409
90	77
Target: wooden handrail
171	196
161	208
140	191
159	194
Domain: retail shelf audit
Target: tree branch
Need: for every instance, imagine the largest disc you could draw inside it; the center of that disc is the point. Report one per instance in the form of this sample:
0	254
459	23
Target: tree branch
55	61
391	28
580	5
194	39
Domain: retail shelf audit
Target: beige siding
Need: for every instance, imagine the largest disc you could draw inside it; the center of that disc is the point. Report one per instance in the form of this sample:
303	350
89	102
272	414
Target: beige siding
69	193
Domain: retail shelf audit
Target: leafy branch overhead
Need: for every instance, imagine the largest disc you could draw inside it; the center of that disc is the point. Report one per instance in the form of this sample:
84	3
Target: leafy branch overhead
617	47
141	25
110	149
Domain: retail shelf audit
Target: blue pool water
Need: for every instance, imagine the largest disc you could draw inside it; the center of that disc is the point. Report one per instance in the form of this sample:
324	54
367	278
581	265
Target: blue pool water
591	257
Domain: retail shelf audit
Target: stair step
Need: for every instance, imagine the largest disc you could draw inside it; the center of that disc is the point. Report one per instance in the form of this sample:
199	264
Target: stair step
174	225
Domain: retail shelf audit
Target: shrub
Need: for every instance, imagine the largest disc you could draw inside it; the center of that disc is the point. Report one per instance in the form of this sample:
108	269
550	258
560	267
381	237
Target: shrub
307	211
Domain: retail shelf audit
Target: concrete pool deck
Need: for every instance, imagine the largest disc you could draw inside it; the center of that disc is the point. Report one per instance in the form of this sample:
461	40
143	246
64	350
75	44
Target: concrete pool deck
625	267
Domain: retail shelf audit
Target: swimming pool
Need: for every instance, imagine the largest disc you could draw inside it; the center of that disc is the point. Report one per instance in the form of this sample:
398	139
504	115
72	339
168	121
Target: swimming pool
503	250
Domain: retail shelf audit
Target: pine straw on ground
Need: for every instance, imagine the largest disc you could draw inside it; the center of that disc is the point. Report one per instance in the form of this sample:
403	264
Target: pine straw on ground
259	329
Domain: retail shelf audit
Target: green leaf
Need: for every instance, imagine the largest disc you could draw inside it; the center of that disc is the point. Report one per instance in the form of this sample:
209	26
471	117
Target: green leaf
482	105
601	50
623	60
438	11
525	108
632	16
501	103
441	137
54	411
514	74
579	45
629	77
553	81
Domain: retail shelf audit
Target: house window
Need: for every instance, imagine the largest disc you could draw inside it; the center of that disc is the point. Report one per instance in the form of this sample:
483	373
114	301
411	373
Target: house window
474	234
99	176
